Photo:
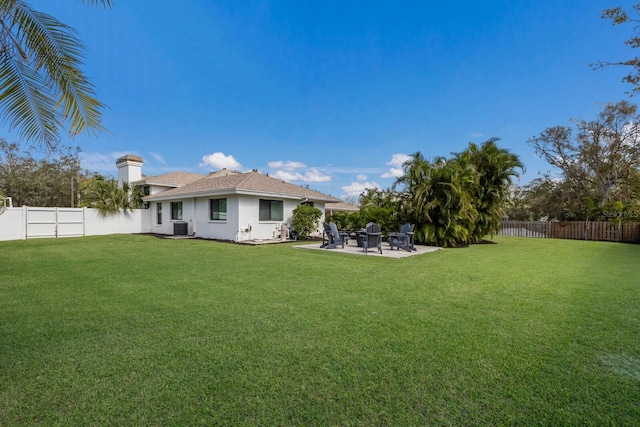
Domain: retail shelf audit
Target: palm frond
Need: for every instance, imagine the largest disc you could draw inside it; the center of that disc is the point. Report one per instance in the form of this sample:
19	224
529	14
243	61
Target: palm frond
25	105
52	54
104	3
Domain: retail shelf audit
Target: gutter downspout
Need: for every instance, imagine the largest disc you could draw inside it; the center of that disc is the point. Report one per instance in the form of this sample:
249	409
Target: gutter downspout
193	218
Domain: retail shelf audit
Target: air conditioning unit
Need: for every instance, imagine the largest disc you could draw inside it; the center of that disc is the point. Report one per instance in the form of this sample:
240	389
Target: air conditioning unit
180	229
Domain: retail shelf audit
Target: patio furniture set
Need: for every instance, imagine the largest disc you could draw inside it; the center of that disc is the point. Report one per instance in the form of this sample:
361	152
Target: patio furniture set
369	238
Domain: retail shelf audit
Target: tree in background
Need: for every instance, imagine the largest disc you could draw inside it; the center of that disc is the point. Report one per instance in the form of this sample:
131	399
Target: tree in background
546	199
345	220
618	16
600	160
379	206
42	86
305	220
51	181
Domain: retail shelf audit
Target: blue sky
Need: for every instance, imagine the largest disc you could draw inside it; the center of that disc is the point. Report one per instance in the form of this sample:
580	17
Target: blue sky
334	94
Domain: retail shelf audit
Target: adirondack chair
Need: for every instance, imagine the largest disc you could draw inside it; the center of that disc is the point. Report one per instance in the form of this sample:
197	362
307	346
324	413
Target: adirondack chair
403	239
335	237
362	234
326	233
373	238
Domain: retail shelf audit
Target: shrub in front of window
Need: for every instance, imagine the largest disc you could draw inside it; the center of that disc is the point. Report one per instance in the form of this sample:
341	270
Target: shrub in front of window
305	220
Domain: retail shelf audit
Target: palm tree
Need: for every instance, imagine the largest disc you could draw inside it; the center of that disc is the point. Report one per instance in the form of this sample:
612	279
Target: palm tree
106	195
102	194
494	167
41	84
457	201
435	197
453	213
416	171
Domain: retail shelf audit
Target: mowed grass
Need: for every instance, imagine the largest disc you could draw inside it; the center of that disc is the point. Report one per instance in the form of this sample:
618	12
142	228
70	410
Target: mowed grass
135	330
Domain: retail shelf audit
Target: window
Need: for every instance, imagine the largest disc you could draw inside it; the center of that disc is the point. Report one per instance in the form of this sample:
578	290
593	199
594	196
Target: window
146	190
307	203
176	210
159	212
218	209
271	210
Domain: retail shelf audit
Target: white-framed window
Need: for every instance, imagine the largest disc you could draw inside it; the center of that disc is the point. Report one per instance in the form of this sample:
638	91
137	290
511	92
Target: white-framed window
218	209
271	210
176	210
159	213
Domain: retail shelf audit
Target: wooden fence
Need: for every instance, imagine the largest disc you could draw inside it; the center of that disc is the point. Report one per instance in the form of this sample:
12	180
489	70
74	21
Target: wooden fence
580	230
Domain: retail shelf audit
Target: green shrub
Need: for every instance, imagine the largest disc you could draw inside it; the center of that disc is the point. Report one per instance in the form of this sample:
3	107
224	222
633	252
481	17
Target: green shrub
305	220
346	220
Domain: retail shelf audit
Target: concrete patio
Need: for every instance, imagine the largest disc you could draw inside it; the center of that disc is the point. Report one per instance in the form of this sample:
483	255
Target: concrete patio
386	250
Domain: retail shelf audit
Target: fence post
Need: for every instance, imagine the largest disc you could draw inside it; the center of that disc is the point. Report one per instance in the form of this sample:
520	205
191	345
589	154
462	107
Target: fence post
24	222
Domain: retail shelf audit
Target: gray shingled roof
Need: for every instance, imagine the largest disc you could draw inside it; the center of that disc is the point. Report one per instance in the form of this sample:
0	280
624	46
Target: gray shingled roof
174	179
234	183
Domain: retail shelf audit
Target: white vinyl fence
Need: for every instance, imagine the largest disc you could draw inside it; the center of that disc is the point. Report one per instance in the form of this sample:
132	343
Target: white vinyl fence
31	222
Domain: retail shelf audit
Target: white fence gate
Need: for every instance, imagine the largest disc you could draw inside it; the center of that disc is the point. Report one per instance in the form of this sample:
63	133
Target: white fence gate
54	222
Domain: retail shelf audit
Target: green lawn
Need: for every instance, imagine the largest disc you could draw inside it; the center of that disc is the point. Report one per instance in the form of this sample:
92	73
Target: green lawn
144	331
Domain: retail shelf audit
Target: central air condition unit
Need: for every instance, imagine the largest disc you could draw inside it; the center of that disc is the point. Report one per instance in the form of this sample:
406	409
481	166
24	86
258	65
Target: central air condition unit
180	229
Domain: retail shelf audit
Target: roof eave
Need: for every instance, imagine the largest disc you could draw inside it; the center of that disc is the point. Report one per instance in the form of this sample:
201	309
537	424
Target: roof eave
231	191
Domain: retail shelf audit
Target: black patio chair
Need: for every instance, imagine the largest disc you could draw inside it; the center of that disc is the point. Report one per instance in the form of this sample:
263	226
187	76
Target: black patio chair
335	237
326	233
372	238
403	239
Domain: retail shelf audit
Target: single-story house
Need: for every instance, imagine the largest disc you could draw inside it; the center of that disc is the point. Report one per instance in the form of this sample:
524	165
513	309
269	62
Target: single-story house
224	205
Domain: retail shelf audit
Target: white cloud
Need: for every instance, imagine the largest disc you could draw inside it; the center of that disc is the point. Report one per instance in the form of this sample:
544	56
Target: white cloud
296	171
393	173
476	135
286	176
220	161
396	163
398	159
356	188
362	177
289	165
157	157
315	176
312	175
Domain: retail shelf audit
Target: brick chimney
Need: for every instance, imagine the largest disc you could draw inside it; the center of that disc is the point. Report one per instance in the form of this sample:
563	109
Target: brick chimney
129	169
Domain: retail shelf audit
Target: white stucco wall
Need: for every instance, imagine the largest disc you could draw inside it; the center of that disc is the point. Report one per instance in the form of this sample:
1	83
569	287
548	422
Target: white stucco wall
249	214
154	227
243	221
216	229
167	223
125	222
